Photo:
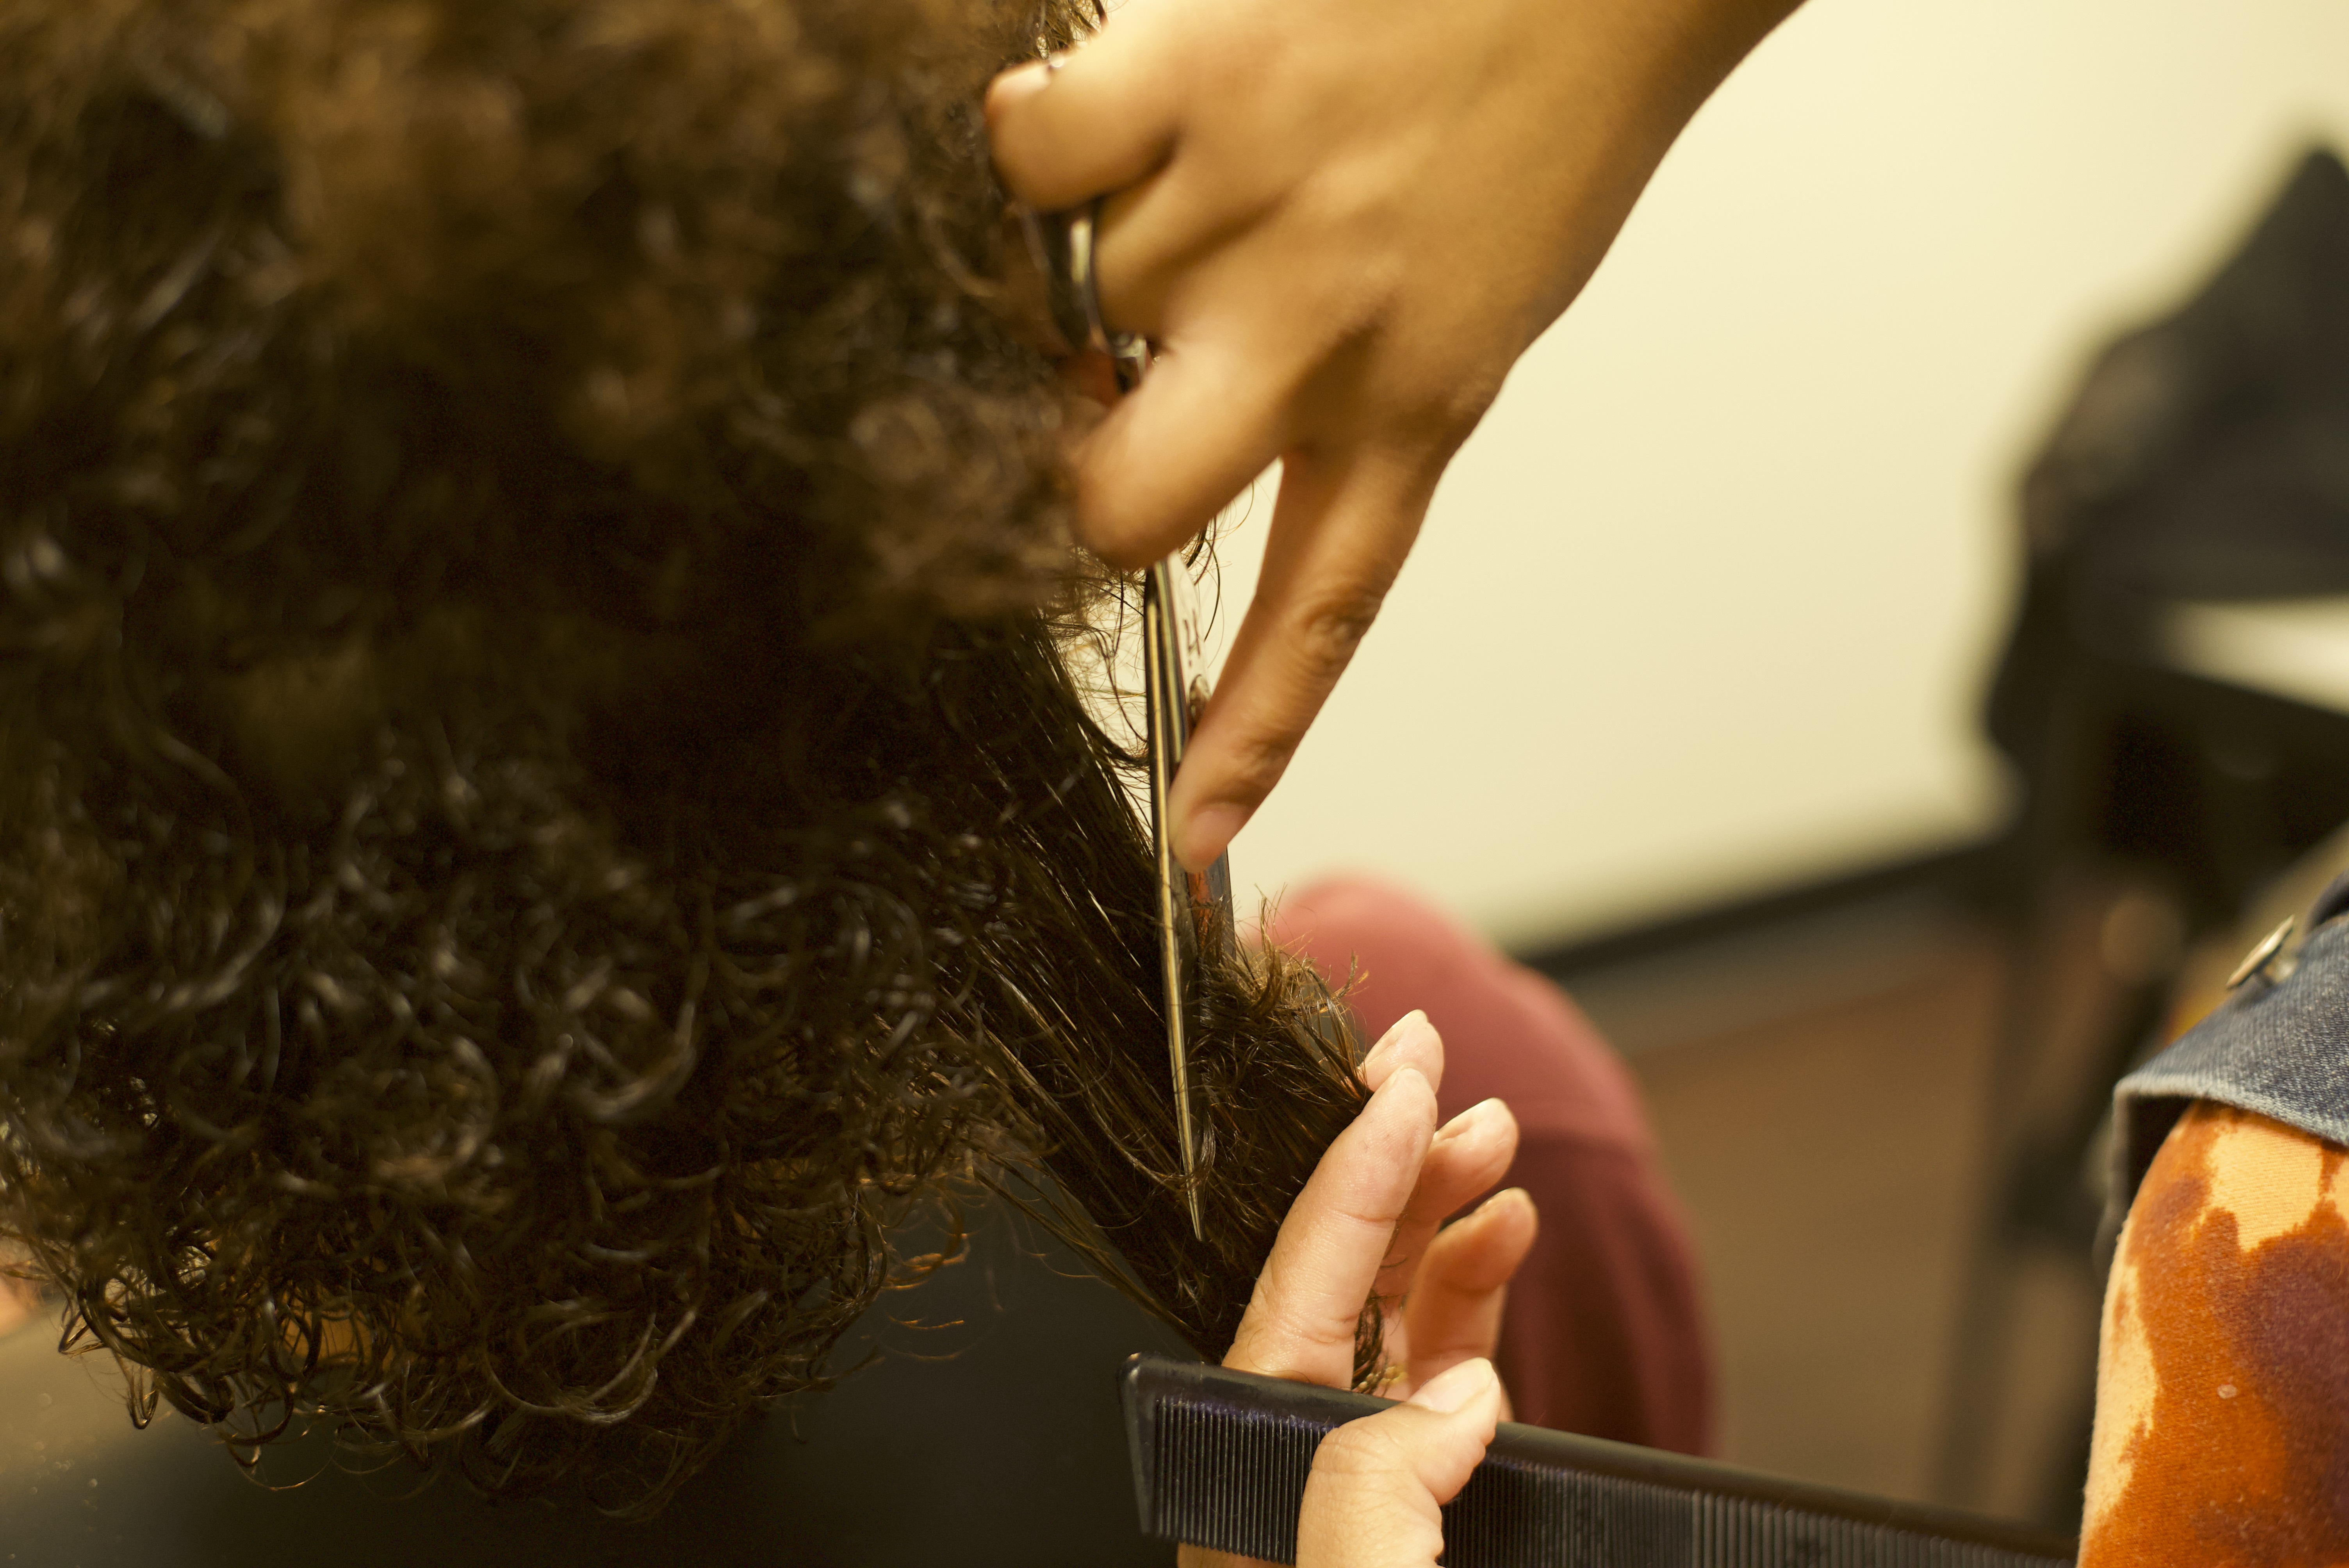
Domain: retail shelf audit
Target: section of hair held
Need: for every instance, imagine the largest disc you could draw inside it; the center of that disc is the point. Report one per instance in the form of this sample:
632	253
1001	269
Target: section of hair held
543	808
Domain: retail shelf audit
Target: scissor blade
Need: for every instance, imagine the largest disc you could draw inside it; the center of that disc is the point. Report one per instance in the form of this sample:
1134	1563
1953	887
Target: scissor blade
1170	639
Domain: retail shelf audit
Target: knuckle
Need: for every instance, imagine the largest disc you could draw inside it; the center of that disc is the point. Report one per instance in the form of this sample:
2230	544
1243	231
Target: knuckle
1331	624
1362	1449
1298	1330
1428	397
1456	401
1427	424
1256	765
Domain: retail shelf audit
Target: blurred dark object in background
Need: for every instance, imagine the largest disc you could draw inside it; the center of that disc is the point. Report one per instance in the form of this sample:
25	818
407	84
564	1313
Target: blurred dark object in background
2206	455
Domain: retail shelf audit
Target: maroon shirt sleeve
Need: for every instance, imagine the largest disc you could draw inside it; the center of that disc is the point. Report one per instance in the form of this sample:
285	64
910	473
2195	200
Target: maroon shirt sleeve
1604	1332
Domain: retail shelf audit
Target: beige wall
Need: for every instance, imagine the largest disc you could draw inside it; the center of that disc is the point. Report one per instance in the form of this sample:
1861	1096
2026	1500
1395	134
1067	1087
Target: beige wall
1706	602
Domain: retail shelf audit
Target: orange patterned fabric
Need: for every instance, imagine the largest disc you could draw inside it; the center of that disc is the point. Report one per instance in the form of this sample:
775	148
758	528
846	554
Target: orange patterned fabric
2223	1400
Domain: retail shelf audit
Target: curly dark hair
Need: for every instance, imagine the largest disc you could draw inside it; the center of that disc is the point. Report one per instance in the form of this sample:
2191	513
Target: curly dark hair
545	807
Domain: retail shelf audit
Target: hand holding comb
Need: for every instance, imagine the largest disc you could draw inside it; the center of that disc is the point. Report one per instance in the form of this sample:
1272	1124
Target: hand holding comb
1220	1459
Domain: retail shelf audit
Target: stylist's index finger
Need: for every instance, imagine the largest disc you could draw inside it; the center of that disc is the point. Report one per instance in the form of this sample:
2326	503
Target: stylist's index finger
1300	1322
1340	533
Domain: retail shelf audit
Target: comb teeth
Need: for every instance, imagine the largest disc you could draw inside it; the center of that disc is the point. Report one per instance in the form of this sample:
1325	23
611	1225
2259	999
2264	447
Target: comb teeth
1221	1458
1230	1483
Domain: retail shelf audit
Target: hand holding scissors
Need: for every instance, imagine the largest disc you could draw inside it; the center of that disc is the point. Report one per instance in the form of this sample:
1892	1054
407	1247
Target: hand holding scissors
1337	223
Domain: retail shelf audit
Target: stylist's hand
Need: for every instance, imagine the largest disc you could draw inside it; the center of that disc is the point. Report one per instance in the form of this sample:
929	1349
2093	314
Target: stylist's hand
1341	220
1368	1221
1373	1496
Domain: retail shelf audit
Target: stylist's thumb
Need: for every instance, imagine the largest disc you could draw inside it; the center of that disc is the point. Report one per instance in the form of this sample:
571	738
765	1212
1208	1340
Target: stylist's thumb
1377	1483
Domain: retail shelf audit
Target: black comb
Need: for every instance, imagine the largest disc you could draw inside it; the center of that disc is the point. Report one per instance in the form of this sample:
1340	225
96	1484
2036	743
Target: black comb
1219	1461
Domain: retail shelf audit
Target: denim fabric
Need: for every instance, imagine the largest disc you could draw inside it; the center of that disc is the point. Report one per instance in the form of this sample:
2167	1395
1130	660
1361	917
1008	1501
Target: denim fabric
2278	1046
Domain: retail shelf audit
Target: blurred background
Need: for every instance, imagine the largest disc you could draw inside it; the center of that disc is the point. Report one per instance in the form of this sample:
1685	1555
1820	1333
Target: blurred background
1682	697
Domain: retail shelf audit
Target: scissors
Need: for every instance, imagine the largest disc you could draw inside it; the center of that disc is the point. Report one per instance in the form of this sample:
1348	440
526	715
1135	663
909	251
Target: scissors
1194	908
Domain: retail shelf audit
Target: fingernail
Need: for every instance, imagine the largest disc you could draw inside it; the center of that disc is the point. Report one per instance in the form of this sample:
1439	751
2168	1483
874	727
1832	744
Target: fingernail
1395	1037
1448	1390
1206	833
1414	1019
1507	1198
1394	1086
1506	1195
1388	1088
1468	1120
